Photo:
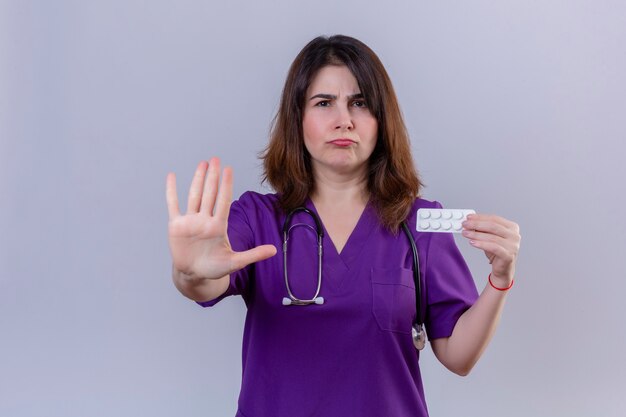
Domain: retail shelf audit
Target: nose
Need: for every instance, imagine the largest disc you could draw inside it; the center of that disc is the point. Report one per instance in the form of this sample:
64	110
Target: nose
344	119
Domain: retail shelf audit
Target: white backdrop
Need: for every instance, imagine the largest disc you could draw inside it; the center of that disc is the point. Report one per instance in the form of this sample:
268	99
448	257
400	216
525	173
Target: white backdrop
516	108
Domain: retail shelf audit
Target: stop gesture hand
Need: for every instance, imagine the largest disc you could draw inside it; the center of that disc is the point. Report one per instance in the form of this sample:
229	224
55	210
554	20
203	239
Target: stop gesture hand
198	240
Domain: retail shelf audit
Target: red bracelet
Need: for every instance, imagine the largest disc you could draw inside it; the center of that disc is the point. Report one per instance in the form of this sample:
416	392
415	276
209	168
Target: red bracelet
500	289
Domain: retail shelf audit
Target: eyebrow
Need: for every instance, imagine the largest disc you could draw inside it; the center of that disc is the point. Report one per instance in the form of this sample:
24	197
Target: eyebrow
334	97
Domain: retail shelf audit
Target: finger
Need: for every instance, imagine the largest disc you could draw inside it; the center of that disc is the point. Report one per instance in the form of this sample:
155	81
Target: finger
195	191
226	195
210	187
171	196
504	251
488	226
243	259
497	219
495	249
510	244
480	238
487	237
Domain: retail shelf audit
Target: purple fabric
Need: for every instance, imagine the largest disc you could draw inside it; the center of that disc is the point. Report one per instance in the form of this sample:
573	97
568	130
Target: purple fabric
353	355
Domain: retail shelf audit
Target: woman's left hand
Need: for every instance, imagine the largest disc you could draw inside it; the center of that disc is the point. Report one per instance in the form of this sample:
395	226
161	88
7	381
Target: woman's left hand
499	238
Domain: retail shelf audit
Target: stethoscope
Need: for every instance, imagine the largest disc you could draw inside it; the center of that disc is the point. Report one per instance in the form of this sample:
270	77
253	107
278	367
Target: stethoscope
419	336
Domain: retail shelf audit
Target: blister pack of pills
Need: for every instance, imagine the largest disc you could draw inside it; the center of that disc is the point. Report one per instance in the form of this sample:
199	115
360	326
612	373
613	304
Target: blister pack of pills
441	220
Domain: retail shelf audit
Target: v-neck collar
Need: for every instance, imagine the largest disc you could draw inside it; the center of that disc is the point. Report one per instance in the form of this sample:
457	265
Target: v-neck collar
338	265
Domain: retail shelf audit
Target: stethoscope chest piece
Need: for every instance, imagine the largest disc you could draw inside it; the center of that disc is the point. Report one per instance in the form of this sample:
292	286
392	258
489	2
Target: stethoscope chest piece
297	302
419	336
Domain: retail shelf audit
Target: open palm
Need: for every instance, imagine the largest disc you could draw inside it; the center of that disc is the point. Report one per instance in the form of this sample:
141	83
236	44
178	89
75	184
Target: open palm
198	240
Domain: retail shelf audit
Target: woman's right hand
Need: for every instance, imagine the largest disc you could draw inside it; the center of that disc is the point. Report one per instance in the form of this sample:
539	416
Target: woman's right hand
198	240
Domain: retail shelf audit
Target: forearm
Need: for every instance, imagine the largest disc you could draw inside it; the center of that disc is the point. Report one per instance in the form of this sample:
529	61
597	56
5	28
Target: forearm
199	289
472	332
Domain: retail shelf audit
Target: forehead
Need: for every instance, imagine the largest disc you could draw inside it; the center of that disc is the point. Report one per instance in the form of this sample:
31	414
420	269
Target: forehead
334	79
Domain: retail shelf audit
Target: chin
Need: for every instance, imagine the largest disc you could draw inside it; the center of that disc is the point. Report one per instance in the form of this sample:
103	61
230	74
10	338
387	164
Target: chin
343	165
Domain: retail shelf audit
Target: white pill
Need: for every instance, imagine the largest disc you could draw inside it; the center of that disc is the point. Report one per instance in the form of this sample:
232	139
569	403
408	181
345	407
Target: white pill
436	220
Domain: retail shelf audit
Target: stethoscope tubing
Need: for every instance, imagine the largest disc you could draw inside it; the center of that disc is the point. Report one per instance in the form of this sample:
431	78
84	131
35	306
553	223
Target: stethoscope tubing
418	333
293	300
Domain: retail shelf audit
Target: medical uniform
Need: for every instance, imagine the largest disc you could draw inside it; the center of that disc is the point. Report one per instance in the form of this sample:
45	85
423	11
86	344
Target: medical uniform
353	355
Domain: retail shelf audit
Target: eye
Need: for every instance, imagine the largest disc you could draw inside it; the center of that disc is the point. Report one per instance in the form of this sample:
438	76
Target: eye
359	103
323	103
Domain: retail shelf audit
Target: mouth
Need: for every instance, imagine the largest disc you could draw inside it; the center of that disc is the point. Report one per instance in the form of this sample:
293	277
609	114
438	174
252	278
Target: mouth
342	142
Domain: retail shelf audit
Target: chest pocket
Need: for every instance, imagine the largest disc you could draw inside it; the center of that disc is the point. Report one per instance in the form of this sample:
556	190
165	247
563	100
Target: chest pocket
393	298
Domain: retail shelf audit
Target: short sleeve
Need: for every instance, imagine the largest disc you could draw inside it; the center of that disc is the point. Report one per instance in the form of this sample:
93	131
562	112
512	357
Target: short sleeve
241	238
450	287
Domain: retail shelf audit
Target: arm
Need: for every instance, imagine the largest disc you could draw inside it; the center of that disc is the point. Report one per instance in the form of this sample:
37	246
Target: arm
472	333
500	240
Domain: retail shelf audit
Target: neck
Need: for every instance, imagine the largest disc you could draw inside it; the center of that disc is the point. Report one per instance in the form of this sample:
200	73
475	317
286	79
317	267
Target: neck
339	190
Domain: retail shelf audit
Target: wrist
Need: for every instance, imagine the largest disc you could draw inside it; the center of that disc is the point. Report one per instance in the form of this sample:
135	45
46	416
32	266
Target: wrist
500	283
186	277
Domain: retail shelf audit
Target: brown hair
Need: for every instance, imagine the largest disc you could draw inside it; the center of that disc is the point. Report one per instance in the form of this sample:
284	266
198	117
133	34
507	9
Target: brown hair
392	182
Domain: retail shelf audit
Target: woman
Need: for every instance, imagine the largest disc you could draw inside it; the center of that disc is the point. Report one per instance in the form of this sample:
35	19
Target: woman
338	147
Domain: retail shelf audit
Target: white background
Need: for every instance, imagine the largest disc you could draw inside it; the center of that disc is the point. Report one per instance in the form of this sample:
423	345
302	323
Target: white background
514	107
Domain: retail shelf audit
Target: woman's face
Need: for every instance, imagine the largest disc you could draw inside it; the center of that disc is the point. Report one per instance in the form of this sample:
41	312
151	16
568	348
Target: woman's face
339	130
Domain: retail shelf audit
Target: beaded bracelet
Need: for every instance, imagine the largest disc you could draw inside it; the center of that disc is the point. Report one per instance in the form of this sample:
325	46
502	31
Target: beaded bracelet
500	289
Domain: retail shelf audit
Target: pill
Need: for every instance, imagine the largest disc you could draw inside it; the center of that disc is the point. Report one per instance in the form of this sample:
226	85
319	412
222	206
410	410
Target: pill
441	220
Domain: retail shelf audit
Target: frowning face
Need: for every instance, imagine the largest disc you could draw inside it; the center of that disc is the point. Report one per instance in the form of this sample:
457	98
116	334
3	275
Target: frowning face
339	130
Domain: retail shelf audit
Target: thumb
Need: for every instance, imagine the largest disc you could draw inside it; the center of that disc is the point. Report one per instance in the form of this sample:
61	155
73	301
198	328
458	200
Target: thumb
243	259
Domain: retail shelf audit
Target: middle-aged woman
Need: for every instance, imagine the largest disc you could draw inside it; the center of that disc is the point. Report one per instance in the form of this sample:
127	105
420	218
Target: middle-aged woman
338	148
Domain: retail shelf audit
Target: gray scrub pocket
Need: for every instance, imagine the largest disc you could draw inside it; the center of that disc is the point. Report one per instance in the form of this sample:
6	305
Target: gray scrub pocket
393	298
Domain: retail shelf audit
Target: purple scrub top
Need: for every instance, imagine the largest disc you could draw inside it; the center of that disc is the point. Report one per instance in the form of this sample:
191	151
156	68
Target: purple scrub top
353	355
